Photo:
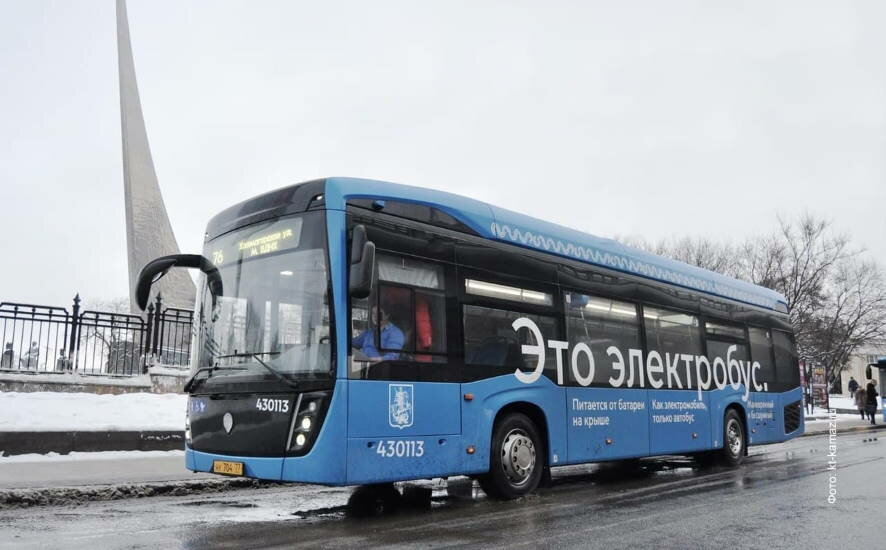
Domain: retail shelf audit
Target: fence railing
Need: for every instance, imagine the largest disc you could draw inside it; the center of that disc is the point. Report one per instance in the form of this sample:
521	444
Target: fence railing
47	339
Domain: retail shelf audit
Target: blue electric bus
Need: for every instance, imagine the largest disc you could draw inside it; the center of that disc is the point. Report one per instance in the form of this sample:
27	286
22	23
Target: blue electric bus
354	332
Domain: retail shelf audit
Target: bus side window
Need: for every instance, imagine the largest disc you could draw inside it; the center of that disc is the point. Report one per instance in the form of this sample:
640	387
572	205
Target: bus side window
787	369
673	332
761	352
721	337
490	338
601	323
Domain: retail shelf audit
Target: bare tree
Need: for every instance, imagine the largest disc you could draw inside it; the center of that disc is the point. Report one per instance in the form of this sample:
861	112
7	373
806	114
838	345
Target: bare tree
853	314
107	332
836	301
698	251
798	260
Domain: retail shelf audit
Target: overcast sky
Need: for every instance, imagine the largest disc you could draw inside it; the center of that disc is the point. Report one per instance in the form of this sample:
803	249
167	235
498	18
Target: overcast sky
651	119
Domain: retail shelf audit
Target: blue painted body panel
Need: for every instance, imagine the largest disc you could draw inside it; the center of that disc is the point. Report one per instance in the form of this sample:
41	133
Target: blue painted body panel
337	236
522	230
490	396
435	409
602	425
678	421
440	456
347	453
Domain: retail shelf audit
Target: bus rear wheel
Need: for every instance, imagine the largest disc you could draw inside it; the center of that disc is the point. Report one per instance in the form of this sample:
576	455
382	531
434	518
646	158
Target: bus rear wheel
734	439
517	461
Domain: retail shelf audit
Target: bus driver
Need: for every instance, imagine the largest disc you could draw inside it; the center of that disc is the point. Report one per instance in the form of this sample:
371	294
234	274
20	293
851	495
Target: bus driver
391	339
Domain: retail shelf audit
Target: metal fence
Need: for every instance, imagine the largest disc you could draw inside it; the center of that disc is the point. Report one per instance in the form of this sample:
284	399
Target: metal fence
47	339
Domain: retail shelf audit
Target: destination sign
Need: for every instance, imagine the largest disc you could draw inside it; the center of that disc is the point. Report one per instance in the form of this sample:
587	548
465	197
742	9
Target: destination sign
250	243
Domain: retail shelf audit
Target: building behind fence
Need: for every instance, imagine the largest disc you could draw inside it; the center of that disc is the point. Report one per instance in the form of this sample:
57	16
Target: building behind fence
48	339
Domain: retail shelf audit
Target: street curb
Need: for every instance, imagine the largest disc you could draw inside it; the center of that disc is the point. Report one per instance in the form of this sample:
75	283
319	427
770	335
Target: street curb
848	430
18	443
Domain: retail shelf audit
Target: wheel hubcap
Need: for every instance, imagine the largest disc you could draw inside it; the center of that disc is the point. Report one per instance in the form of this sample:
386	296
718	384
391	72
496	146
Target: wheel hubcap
518	456
733	437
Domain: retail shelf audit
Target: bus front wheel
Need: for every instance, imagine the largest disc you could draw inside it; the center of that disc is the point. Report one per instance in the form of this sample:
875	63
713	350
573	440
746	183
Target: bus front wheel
517	461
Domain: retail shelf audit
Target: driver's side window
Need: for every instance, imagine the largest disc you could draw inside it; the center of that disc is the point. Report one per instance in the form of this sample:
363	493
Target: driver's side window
403	320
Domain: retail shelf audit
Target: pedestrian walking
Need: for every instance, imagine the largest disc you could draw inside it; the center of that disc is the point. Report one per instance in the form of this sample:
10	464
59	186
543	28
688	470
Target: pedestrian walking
861	402
871	397
853	385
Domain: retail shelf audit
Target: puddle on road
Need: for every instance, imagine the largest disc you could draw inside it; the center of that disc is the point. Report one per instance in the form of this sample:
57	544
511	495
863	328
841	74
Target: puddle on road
228	503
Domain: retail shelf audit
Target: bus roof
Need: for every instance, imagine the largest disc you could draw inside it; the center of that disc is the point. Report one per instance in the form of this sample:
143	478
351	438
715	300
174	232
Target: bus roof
511	227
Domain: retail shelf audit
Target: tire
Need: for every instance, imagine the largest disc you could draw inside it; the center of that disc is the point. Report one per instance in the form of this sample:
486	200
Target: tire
517	460
373	500
734	440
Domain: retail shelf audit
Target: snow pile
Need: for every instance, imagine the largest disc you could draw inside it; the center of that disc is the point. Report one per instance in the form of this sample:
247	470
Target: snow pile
59	411
74	455
69	496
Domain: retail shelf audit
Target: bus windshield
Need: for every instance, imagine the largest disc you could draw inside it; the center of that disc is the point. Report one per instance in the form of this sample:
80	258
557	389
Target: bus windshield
273	311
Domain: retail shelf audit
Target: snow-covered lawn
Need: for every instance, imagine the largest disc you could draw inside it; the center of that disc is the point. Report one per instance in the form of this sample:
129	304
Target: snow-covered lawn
58	411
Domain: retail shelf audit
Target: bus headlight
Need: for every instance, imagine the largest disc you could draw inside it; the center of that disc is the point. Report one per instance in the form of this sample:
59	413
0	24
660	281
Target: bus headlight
306	421
187	429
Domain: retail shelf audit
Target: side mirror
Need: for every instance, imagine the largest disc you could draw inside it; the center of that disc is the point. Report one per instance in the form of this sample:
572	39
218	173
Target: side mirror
156	269
362	274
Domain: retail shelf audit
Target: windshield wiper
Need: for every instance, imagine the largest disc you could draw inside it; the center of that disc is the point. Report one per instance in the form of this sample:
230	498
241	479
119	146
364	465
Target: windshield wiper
272	370
247	354
192	382
282	378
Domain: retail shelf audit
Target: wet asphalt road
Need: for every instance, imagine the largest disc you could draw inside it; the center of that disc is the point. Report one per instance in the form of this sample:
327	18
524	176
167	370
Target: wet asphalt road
777	499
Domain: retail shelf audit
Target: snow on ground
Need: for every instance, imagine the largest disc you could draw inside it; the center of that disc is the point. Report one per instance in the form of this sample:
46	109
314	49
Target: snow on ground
842	402
59	411
103	455
822	416
837	402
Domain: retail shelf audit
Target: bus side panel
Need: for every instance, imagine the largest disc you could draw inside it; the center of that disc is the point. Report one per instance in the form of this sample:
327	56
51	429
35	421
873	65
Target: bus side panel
764	423
490	396
782	401
325	462
381	459
403	430
381	408
678	421
606	424
793	396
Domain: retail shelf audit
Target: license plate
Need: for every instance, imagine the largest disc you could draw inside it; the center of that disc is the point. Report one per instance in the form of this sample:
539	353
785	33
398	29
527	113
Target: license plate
227	468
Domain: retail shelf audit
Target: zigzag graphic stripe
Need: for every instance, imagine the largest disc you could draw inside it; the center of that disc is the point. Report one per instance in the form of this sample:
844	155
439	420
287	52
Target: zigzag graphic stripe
620	262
